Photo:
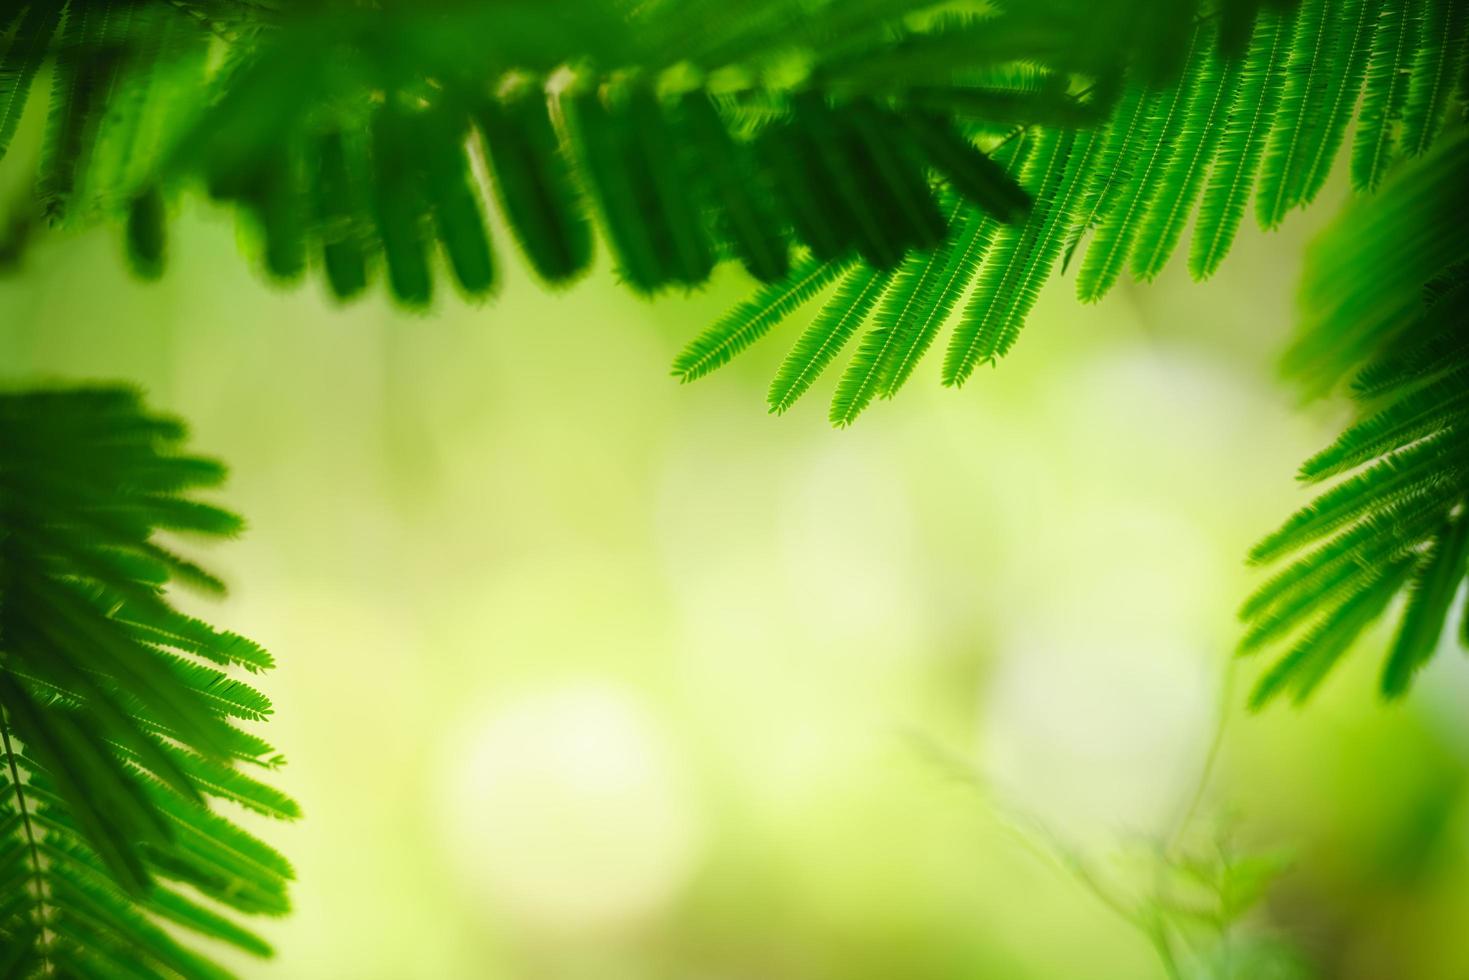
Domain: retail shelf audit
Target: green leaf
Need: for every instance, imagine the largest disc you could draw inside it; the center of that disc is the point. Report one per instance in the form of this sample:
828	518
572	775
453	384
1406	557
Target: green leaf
971	172
455	204
938	278
752	319
399	209
826	336
1183	177
336	185
85	67
1320	648
734	189
1114	164
1436	579
1010	263
1328	116
1285	171
1409	418
1165	112
1431	82
533	183
1394	47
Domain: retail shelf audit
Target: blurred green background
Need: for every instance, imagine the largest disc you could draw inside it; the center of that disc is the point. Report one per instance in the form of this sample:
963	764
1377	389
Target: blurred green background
588	675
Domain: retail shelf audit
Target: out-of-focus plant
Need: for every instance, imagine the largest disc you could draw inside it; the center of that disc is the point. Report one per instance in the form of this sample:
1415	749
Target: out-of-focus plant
1190	891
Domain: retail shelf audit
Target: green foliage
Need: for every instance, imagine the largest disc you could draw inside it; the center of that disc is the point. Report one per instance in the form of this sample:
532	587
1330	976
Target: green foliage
816	125
1017	255
694	131
1398	523
1259	111
827	335
1241	146
120	713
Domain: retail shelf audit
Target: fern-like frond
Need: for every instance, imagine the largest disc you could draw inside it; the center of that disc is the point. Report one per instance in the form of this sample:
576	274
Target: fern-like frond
943	275
1394	44
1165	114
1425	348
614	101
1242	144
1183	177
1403	474
115	714
1348	64
828	333
1385	528
915	300
1318	650
650	218
1437	576
753	318
1399	524
1115	163
685	133
1402	422
1015	255
735	190
1440	54
399	209
1211	134
23	50
336	176
1285	169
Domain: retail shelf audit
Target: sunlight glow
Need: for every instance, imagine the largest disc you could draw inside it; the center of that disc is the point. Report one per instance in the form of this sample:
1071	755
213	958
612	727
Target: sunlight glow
565	810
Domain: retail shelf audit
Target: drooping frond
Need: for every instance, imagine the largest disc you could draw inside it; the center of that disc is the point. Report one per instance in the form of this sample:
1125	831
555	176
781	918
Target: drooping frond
684	134
1437	67
1164	113
1242	144
1285	169
907	306
692	132
838	320
791	125
117	715
917	323
1393	45
1359	21
1367	282
1399	522
913	310
1115	163
1183	176
753	318
1044	234
1263	114
1014	255
23	49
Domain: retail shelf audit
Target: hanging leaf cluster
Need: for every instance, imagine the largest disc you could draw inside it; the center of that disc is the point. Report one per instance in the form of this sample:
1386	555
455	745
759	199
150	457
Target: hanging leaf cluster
1260	108
350	139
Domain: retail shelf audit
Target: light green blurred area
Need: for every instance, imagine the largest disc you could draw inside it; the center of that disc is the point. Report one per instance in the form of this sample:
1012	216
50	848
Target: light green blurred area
586	675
